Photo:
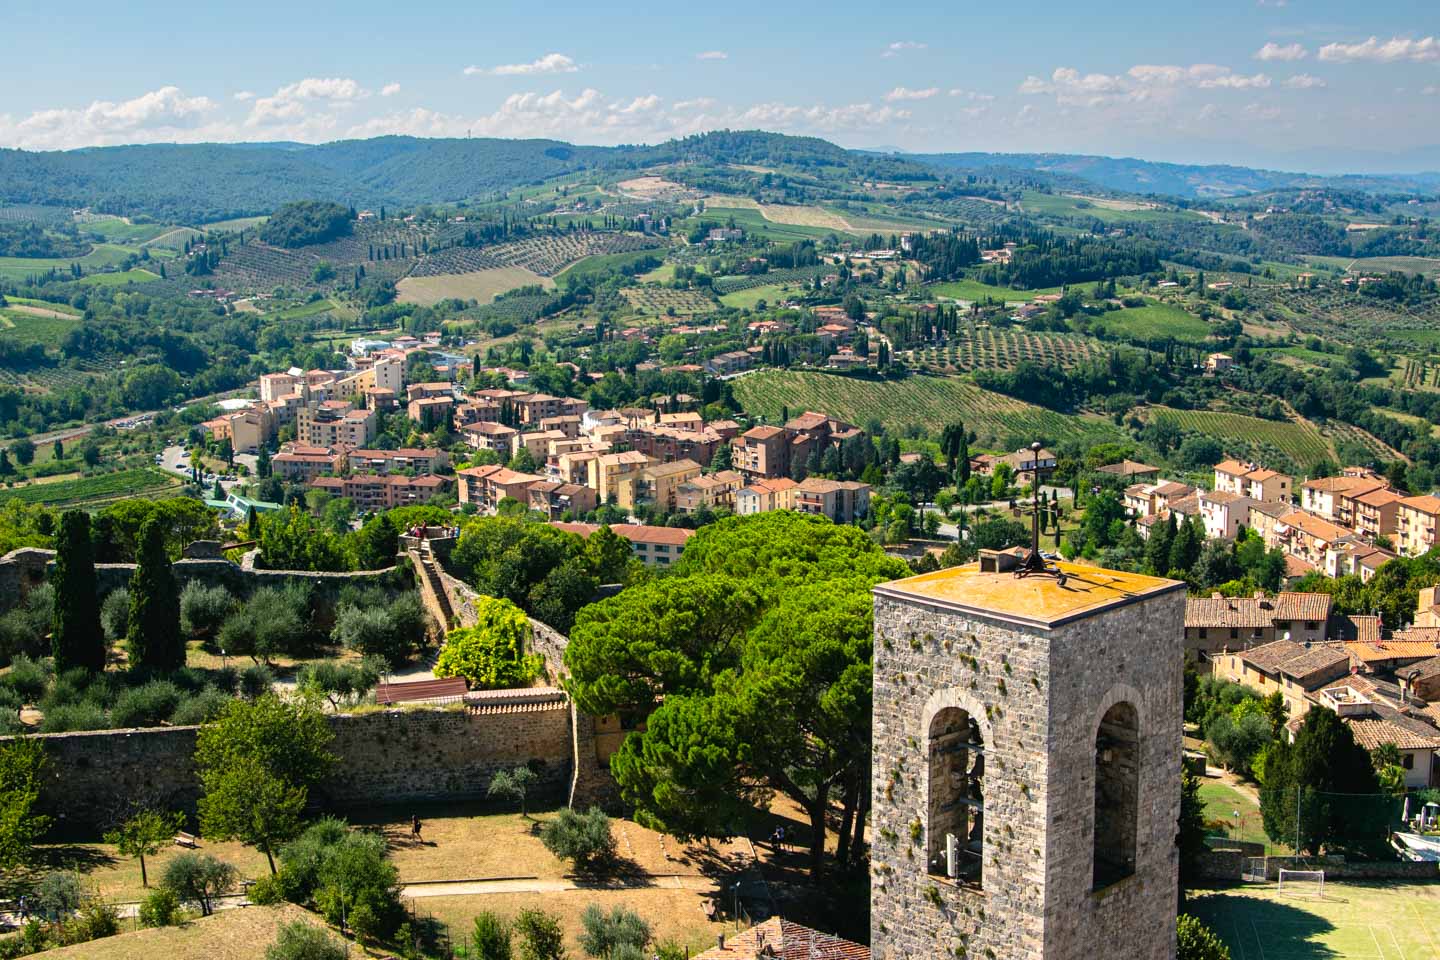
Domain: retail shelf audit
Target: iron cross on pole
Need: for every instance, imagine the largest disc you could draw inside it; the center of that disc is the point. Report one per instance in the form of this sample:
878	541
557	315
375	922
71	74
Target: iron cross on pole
1035	564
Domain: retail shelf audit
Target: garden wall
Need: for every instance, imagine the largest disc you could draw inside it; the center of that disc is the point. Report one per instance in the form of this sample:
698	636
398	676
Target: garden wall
1229	865
384	758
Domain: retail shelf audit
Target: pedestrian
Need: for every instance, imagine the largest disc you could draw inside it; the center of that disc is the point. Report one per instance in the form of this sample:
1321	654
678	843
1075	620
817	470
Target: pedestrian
780	838
415	827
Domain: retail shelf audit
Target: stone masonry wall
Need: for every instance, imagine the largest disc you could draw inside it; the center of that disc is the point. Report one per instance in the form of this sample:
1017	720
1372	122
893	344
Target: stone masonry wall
1131	654
1037	696
927	659
390	757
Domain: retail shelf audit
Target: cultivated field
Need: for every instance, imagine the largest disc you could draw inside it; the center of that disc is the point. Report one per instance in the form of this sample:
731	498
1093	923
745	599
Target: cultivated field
94	491
659	301
120	278
975	348
1355	921
102	255
930	401
1301	441
972	290
797	216
1157	321
36	325
482	285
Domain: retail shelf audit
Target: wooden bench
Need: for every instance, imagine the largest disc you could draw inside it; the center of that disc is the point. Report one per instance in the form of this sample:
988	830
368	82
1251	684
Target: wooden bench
183	839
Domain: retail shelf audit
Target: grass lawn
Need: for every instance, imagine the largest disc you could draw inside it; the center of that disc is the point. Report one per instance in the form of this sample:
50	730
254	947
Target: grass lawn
1221	803
117	879
771	293
1155	322
975	290
239	223
602	263
661	274
1374	920
228	935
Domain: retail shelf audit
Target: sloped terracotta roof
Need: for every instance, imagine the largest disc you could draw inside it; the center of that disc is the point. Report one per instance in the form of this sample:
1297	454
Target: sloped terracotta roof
1290	605
783	940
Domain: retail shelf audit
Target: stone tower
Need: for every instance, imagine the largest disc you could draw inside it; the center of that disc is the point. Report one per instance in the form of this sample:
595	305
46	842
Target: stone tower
1027	747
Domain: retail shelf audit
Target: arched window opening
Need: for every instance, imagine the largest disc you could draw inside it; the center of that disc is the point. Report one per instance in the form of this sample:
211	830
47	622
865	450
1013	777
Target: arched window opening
955	840
1117	794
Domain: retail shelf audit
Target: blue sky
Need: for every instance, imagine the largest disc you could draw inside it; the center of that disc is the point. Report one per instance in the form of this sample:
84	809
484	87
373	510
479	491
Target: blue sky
1301	84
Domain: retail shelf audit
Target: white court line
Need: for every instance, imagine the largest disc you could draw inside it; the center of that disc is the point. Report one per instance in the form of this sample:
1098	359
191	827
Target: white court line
1371	928
1390	927
1258	941
1420	918
1239	939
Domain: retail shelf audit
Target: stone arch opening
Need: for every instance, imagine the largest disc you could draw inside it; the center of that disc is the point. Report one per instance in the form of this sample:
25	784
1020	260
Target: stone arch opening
955	838
1117	794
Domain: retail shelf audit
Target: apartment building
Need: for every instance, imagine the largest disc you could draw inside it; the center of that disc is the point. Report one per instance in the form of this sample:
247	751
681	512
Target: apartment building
1308	538
608	472
1222	512
334	423
556	500
709	492
653	546
1417	520
761	453
762	496
413	459
657	484
487	435
430	412
672	443
372	492
487	486
1372	514
295	462
843	501
1324	497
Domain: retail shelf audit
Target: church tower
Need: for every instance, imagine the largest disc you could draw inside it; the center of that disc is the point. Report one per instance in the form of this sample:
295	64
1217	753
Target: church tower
1026	770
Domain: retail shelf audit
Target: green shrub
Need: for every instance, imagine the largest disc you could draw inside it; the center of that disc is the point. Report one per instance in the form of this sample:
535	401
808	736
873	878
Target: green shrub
1195	941
341	683
96	920
74	716
265	892
58	894
387	632
491	655
255	680
583	838
607	934
540	936
146	706
161	908
273	621
203	609
300	940
18	637
490	938
115	614
28	678
201	708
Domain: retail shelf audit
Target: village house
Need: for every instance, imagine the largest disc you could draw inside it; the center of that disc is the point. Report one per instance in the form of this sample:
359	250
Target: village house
487	486
1294	670
1376	719
653	546
762	496
486	435
1372	514
1416	524
1354	558
1131	471
1217	623
1324	497
1250	480
373	492
843	501
556	500
1222	512
709	492
1308	538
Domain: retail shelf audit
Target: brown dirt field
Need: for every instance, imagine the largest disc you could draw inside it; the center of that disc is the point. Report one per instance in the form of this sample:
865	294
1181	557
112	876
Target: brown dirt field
650	187
228	935
481	285
41	312
798	216
672	914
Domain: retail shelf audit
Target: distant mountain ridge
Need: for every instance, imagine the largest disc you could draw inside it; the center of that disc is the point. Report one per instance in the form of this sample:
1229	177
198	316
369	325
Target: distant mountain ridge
199	183
1189	181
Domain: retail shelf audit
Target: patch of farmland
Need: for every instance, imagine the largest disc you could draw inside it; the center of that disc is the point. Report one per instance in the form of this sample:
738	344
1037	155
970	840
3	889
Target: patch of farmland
659	301
119	278
797	216
653	188
47	328
1156	321
481	285
96	490
121	230
976	348
724	285
929	401
34	213
1301	441
545	254
100	257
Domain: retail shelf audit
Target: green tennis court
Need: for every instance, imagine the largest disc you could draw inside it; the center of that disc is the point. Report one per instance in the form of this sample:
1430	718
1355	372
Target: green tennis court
1370	920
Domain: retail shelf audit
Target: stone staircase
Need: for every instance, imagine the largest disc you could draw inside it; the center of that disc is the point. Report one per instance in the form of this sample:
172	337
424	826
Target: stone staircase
432	586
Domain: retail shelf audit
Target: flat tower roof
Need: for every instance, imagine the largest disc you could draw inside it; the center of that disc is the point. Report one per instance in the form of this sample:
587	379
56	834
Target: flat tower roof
1037	601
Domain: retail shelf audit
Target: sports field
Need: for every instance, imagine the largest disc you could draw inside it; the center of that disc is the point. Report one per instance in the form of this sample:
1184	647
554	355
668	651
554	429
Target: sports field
1371	920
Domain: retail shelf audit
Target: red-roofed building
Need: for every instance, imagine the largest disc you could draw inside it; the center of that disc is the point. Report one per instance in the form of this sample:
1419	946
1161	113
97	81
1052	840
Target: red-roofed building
487	486
656	546
778	939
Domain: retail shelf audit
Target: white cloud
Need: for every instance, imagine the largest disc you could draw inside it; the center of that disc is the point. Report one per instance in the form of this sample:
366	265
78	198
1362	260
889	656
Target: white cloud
292	103
1304	81
550	63
971	94
166	113
901	46
390	89
905	93
1236	81
244	95
713	55
1290	52
1431	91
1383	51
699	103
1141	83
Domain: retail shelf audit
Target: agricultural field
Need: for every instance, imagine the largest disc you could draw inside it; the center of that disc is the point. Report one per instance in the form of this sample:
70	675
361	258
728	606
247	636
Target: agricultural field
751	220
929	401
36	325
34	213
726	285
660	301
1374	920
547	254
101	256
601	263
482	285
747	298
94	491
987	348
1157	321
971	290
1100	208
796	216
119	278
236	225
121	230
1371	266
1301	441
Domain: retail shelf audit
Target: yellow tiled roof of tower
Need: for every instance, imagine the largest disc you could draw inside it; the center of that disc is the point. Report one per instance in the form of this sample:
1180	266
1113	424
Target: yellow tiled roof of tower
1035	600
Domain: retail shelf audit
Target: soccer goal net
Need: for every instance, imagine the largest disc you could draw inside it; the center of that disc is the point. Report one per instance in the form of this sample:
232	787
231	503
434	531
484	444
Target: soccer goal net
1303	882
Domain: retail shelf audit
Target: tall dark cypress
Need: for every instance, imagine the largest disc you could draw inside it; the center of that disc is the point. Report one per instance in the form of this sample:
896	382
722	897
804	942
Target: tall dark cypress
153	637
75	635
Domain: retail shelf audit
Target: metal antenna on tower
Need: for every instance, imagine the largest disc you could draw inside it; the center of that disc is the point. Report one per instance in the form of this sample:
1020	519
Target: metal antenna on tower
1035	564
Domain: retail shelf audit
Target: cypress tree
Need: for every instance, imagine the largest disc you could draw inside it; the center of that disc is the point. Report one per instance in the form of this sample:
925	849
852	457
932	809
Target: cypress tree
153	637
75	635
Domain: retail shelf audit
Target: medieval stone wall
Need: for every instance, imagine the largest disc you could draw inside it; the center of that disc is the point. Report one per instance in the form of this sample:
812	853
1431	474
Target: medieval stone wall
383	758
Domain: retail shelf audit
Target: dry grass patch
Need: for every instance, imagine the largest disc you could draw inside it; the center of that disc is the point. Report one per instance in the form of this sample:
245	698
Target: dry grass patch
481	285
228	935
117	879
